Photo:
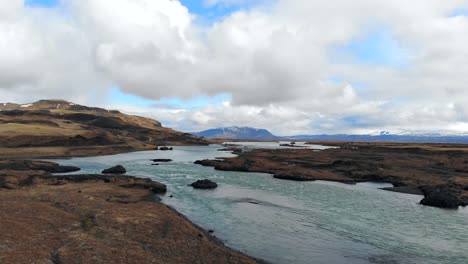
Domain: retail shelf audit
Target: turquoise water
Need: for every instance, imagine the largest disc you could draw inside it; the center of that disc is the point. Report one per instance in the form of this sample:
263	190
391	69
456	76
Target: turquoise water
300	222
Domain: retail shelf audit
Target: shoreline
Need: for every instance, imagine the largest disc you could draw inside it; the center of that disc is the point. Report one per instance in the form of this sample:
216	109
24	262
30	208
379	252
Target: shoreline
439	172
33	182
293	161
212	238
78	151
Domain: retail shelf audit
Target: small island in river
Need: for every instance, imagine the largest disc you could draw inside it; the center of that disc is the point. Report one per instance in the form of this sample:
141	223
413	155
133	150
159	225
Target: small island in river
437	171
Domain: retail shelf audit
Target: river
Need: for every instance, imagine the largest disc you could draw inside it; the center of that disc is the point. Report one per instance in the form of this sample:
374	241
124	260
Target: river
299	222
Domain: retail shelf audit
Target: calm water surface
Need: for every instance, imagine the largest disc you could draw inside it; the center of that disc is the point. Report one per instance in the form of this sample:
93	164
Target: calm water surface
275	145
300	222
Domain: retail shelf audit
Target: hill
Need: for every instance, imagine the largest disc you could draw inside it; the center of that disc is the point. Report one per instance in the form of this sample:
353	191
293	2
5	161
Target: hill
61	128
246	133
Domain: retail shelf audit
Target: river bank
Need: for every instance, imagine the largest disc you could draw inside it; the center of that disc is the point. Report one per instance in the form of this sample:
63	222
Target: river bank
440	172
95	219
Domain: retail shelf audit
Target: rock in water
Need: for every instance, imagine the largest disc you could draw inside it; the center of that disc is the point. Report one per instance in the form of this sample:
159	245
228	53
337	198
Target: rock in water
119	169
165	148
161	160
204	184
441	196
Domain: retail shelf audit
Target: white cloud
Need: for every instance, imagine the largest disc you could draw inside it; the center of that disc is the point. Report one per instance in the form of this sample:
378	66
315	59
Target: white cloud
273	61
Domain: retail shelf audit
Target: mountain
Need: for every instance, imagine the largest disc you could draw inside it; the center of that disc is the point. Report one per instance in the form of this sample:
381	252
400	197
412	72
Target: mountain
384	136
245	133
57	127
248	133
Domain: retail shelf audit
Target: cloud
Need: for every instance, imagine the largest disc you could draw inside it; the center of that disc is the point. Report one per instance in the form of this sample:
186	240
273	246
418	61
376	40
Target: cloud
275	60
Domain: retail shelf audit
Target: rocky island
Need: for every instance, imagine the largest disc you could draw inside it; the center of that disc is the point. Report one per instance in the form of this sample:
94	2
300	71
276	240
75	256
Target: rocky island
437	171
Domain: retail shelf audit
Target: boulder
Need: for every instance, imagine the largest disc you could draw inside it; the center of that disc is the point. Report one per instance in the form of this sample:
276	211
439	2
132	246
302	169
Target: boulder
165	148
442	196
161	160
119	169
289	145
204	184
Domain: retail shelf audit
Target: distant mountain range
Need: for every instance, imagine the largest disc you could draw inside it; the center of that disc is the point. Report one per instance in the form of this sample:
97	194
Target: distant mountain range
385	138
249	133
237	133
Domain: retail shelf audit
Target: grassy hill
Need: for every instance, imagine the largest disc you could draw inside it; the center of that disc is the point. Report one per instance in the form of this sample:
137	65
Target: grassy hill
59	128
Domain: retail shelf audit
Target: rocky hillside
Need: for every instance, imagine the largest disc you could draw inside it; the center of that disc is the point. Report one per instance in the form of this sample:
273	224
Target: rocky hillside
246	133
58	123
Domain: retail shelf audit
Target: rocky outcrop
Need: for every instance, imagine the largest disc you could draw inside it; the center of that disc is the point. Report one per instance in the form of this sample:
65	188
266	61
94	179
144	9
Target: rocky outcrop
119	169
407	167
154	187
204	184
26	165
442	196
225	166
165	148
161	160
293	177
122	181
289	145
85	218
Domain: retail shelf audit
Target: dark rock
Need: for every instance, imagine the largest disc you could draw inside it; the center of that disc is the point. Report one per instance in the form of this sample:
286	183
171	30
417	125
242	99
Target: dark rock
294	177
161	160
119	169
204	184
25	165
225	149
155	187
211	231
289	145
442	196
64	169
203	162
165	148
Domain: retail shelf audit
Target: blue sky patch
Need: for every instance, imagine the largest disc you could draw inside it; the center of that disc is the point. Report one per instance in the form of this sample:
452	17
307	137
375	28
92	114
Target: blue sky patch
41	3
356	121
193	103
378	47
208	14
459	12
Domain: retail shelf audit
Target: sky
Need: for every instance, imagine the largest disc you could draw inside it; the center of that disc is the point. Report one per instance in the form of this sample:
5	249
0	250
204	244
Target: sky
290	66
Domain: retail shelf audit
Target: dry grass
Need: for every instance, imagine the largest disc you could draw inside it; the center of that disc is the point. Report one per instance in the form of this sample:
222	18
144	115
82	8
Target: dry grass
11	129
98	222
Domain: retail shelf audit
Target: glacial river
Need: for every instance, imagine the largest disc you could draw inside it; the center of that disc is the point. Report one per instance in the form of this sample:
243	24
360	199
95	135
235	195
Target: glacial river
300	222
